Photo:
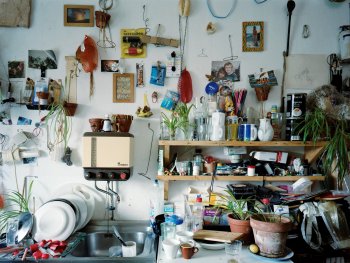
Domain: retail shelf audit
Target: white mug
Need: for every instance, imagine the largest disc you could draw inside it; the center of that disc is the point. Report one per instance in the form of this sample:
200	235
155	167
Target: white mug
170	247
130	249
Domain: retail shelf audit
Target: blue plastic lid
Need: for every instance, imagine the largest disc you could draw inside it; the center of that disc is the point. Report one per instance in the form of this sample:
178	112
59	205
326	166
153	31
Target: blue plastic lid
174	219
211	88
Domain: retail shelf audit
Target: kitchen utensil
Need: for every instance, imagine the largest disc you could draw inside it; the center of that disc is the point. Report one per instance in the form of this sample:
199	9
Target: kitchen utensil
233	250
81	205
290	7
188	250
129	249
116	232
211	245
170	247
25	224
218	236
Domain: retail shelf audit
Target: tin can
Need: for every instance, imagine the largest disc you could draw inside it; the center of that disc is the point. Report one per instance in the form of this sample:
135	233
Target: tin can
292	129
296	105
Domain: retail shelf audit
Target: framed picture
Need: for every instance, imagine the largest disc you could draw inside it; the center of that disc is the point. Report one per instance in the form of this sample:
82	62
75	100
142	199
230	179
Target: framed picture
253	36
123	87
79	15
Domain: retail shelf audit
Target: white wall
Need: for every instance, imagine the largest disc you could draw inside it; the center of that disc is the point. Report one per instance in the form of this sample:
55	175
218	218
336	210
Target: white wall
47	32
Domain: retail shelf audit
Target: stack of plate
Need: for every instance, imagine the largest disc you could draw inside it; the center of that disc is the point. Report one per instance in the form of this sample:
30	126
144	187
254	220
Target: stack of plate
61	216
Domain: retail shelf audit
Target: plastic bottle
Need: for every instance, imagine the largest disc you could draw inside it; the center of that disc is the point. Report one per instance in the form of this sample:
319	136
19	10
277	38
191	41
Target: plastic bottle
156	202
197	213
198	160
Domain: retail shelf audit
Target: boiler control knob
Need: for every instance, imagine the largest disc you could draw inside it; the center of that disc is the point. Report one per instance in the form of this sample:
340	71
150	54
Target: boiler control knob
123	176
111	175
99	175
89	175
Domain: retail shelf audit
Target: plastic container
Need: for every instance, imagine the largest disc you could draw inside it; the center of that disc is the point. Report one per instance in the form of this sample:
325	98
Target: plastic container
198	160
197	213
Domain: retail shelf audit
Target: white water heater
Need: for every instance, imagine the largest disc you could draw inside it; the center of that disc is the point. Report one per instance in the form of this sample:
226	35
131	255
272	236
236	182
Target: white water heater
108	156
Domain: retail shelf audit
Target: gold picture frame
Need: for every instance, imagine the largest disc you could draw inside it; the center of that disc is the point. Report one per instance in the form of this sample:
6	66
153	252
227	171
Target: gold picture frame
253	36
79	15
123	87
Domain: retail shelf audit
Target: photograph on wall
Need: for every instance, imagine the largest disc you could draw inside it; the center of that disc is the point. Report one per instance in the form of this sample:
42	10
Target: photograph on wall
262	79
253	36
226	72
110	66
16	69
79	15
130	43
42	59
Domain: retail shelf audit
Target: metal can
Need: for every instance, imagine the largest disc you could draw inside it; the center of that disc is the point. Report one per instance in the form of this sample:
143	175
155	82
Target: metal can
296	105
292	130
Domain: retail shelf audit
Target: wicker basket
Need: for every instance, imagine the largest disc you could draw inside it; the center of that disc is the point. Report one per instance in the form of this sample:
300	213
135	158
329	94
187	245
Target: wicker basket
262	93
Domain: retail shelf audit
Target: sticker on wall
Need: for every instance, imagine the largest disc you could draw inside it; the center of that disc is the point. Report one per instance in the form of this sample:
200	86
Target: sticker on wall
139	75
110	66
173	65
23	121
170	100
131	44
16	69
158	74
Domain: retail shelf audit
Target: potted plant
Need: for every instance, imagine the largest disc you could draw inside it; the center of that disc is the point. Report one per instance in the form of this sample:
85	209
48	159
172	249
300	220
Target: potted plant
16	203
172	123
240	210
182	111
270	233
327	119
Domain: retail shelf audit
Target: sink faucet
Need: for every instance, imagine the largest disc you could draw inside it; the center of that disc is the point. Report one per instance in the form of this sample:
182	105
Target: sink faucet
112	196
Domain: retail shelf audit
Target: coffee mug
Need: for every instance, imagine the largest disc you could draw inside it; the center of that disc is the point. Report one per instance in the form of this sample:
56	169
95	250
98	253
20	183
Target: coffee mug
247	132
130	249
170	247
188	250
232	131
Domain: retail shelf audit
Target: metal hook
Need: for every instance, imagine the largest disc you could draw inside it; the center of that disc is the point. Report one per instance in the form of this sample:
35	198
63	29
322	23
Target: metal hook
202	54
306	31
150	152
232	57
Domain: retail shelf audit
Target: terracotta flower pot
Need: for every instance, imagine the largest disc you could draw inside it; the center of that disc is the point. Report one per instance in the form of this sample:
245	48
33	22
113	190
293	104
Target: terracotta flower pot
70	108
241	226
270	236
96	124
102	19
122	122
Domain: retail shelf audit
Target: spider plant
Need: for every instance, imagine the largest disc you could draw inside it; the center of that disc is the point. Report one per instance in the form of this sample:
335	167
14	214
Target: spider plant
182	110
17	203
59	126
173	122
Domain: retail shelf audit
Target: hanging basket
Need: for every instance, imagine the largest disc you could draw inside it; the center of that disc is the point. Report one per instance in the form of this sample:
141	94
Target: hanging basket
262	93
102	19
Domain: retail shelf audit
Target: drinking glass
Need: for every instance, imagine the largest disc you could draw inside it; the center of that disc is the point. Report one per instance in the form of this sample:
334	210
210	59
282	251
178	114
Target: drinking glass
233	250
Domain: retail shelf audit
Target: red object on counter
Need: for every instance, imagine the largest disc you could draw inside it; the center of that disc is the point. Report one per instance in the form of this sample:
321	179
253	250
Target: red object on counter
37	255
34	247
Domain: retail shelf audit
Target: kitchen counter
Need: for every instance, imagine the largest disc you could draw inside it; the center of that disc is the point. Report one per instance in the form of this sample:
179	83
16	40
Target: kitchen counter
213	256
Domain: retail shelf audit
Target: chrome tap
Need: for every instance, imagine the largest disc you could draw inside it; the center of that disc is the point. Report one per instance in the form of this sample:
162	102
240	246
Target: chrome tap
112	196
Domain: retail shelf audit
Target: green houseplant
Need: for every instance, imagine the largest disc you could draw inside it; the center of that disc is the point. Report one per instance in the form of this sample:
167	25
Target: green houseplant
182	111
327	119
239	212
172	123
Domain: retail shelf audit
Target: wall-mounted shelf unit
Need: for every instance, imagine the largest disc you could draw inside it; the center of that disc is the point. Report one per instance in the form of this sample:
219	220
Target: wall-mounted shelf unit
311	152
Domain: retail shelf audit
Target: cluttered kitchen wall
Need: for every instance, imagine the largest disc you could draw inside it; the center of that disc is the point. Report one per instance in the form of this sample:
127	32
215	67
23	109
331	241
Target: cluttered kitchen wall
314	32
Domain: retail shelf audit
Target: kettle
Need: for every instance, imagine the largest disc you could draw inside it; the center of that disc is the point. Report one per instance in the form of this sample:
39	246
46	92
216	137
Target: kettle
218	126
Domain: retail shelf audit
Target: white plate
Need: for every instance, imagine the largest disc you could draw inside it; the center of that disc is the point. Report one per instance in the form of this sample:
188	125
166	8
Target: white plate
83	192
289	254
54	220
97	197
81	204
212	246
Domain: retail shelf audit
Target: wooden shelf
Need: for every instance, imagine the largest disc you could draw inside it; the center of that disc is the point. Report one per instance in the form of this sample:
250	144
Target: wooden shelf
240	143
310	150
239	178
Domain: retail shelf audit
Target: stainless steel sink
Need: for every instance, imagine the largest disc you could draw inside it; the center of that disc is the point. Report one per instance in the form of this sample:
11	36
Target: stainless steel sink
98	244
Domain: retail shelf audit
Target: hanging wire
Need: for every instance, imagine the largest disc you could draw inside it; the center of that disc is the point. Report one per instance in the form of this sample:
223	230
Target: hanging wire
229	12
149	155
232	57
260	1
146	20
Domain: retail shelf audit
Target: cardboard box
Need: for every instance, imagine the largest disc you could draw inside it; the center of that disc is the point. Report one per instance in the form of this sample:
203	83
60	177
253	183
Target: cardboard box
277	157
193	193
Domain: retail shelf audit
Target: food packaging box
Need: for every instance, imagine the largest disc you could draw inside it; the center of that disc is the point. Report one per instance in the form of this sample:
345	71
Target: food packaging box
211	216
193	193
277	157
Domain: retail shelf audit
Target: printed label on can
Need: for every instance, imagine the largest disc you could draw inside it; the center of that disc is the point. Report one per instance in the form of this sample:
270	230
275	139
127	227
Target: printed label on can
296	105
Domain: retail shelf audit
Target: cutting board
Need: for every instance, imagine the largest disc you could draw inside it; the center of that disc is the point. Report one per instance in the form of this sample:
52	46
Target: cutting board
218	236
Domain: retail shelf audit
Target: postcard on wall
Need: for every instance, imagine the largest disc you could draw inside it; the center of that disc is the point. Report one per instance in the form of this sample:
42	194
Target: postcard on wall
306	71
131	45
226	72
262	79
16	69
